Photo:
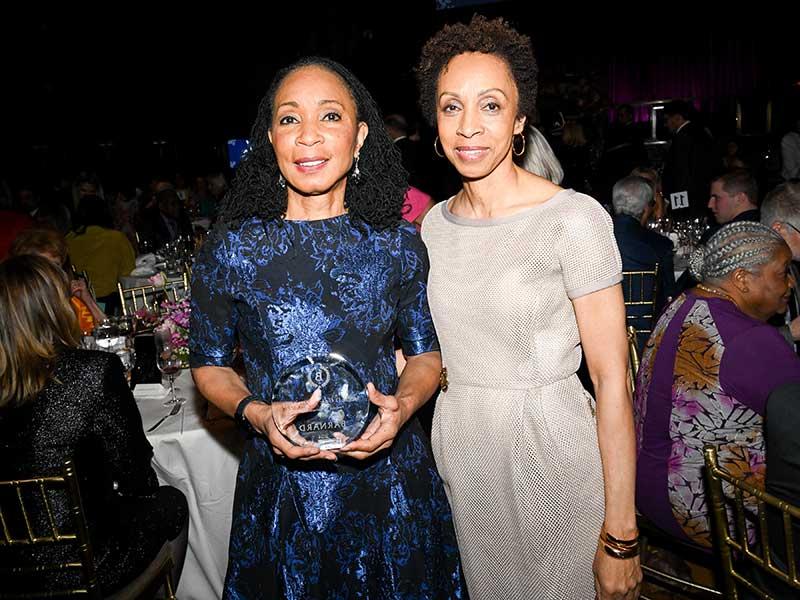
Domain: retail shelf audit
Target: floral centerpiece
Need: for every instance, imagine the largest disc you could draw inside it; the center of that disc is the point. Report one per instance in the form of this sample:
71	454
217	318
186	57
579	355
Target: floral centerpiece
174	316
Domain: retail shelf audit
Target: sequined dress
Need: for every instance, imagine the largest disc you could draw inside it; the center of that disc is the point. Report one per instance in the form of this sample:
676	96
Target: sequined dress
87	412
514	436
375	529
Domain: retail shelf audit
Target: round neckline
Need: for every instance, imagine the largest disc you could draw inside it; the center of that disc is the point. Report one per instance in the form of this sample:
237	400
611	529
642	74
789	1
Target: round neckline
489	221
314	221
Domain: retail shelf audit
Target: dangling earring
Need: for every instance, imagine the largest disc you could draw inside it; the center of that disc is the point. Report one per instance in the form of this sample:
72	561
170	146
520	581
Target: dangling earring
436	149
513	145
281	181
356	172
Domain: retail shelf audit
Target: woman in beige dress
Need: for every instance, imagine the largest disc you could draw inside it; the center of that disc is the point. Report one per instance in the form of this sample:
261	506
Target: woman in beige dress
523	275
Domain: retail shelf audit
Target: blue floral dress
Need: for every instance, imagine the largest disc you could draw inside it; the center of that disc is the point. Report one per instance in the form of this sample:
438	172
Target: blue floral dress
376	529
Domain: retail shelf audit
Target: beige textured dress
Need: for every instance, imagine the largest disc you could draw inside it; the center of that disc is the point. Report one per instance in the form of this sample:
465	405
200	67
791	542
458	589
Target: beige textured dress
514	436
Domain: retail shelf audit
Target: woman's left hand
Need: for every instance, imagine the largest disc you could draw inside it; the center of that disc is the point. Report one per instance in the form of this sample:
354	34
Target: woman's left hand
380	434
614	578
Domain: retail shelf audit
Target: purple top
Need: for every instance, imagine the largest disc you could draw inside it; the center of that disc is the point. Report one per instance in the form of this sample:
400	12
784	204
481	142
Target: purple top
704	378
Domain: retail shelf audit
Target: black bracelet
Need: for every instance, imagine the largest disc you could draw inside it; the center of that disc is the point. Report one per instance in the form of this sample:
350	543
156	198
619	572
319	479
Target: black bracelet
239	417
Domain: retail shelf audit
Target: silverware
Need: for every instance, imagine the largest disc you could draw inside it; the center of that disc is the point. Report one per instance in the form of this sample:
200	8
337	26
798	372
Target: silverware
174	411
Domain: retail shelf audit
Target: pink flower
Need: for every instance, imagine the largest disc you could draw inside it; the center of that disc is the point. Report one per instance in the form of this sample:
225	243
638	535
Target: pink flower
158	280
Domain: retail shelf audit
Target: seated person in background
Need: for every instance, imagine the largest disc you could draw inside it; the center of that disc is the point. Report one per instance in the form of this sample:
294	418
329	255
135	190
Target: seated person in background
539	158
51	245
641	249
734	198
168	221
104	253
706	373
781	212
783	472
660	208
59	402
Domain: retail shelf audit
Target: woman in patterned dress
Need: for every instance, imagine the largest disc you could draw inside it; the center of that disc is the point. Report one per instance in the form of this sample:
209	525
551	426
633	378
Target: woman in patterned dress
706	373
524	273
310	258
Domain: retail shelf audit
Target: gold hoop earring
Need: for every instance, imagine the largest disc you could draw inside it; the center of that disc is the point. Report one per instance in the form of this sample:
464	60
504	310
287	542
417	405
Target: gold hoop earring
436	149
513	148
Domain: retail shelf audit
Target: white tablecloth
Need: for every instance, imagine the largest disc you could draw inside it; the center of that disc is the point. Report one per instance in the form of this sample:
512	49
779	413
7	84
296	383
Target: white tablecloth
202	463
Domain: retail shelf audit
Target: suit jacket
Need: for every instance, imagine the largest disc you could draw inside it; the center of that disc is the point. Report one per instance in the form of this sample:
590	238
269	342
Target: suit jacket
688	167
641	249
783	472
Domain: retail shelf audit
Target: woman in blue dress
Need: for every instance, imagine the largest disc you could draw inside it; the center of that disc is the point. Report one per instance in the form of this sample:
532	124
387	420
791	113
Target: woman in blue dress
309	258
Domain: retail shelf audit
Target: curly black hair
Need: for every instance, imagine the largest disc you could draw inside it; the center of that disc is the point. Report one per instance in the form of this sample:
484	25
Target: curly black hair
375	198
490	36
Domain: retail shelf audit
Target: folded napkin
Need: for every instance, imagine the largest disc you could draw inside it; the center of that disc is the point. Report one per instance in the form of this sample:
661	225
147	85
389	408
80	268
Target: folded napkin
149	390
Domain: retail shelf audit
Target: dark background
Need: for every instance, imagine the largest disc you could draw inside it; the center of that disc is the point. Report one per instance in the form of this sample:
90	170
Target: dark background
138	86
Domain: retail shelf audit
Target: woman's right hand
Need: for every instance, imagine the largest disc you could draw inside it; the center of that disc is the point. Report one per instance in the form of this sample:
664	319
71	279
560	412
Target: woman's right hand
276	422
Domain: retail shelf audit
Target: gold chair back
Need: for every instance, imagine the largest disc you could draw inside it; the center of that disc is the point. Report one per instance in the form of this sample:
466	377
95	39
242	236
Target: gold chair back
736	548
23	498
639	289
633	357
27	519
144	296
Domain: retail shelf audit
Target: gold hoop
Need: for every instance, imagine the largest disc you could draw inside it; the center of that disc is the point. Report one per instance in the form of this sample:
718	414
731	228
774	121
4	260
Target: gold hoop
514	139
436	150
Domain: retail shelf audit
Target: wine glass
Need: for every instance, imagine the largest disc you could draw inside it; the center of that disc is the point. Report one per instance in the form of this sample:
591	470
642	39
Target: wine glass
168	361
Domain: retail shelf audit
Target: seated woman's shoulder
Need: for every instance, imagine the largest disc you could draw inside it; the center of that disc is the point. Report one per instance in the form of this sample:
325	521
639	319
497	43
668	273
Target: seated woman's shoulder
87	361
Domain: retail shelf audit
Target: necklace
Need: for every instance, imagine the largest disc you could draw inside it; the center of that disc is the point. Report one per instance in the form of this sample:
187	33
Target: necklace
719	293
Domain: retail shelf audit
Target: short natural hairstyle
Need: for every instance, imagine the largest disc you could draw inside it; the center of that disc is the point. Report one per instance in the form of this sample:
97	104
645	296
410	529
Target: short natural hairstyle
539	157
631	195
495	37
740	181
38	323
40	242
782	205
741	245
376	198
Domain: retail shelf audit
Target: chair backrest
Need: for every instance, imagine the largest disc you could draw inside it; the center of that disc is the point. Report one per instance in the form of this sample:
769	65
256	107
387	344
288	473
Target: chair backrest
145	296
639	290
27	519
633	357
736	548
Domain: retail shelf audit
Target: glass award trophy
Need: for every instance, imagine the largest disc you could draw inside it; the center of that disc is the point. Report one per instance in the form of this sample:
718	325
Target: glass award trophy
343	411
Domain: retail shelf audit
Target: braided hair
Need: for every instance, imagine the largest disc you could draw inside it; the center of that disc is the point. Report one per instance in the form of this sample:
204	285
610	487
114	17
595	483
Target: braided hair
742	245
376	198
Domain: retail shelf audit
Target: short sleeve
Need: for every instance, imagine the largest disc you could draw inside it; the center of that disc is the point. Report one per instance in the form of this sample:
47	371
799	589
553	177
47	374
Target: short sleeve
755	363
414	323
212	334
587	250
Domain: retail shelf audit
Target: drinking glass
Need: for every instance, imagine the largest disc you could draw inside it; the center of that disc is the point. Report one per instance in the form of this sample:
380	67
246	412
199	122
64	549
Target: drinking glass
168	361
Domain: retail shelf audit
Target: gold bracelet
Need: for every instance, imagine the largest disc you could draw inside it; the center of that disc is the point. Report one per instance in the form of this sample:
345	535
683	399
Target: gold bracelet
611	539
621	549
621	555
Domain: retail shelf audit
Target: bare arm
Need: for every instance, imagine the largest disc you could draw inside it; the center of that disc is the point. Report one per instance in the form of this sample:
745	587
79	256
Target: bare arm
601	322
417	384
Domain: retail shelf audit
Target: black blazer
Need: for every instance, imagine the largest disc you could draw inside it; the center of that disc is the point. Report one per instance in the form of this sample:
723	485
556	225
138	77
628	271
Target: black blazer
641	249
689	167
